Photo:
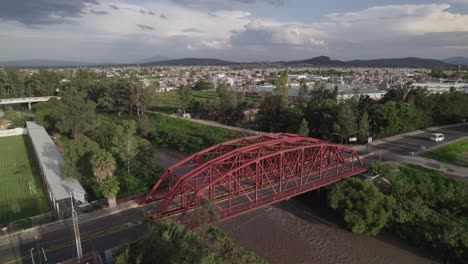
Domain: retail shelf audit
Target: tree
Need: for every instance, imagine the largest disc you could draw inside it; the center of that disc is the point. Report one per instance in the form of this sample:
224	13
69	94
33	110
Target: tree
168	242
302	90
394	117
363	128
282	87
103	164
126	143
185	96
74	113
109	189
140	98
203	85
304	128
77	154
365	210
346	120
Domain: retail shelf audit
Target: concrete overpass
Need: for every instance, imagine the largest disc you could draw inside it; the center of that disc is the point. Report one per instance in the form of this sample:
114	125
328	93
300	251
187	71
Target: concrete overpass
26	100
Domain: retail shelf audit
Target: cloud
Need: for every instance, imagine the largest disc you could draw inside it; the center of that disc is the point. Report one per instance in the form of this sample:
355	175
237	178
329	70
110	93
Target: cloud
263	33
114	7
145	27
191	30
99	13
130	30
40	12
224	3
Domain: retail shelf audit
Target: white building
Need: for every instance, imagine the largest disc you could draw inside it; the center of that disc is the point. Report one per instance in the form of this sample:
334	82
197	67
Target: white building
442	87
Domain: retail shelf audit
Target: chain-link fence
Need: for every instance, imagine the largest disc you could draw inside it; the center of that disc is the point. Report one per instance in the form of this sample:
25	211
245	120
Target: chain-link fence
29	222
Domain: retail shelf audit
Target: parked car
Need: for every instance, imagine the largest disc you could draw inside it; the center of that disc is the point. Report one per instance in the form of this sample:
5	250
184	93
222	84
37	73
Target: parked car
437	137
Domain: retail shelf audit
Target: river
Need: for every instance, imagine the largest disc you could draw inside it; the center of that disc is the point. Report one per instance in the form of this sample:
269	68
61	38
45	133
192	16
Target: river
295	231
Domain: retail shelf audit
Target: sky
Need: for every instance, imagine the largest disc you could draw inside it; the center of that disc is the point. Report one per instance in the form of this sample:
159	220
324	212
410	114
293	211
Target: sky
125	31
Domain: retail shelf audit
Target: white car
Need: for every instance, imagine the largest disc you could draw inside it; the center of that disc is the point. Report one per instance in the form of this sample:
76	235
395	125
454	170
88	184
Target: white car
437	137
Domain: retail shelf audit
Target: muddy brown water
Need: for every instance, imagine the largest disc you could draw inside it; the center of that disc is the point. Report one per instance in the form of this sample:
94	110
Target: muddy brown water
292	232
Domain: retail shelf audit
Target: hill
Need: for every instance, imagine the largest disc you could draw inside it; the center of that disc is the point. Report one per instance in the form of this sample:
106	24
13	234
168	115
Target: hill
457	60
190	61
43	63
410	62
153	59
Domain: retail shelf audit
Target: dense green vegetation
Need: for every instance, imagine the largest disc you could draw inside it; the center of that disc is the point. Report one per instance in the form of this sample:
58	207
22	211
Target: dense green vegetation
17	118
17	172
168	242
399	111
428	210
365	210
455	153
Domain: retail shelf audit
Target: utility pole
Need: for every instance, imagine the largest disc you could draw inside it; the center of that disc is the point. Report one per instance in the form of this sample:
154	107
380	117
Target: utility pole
76	228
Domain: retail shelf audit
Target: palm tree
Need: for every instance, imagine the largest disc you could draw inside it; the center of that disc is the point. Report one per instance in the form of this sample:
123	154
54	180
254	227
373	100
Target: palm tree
109	189
103	165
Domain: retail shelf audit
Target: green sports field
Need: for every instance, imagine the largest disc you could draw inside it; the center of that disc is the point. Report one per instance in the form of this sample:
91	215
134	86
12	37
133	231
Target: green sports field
21	191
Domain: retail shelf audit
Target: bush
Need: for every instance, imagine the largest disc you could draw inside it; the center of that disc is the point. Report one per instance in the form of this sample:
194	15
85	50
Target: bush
365	210
169	242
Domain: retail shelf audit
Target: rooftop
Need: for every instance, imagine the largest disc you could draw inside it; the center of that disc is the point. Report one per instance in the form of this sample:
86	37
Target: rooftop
49	159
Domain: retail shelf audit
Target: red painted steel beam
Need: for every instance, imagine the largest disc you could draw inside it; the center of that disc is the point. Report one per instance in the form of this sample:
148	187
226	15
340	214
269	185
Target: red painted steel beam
254	171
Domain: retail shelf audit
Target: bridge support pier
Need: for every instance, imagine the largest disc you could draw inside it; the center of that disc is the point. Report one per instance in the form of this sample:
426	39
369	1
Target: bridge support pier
29	106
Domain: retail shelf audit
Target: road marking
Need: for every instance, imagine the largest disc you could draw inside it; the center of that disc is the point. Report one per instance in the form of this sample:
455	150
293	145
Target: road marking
102	233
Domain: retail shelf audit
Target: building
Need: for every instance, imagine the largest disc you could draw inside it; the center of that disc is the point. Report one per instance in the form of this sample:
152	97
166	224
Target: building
442	87
49	159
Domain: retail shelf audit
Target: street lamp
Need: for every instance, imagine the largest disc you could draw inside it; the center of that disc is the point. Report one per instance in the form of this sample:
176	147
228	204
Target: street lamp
38	249
32	257
369	140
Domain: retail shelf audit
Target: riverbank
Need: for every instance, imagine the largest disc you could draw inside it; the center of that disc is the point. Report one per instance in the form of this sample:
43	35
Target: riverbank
291	232
295	232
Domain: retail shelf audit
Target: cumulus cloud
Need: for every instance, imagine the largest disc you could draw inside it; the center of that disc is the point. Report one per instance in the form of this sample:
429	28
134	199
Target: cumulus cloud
261	33
36	12
380	31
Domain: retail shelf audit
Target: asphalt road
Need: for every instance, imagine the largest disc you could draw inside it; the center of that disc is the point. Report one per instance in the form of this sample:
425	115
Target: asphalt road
398	149
58	242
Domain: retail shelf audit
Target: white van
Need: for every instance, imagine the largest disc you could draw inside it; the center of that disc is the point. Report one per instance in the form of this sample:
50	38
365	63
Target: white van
437	137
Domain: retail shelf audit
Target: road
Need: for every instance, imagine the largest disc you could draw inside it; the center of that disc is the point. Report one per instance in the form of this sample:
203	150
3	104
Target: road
101	231
398	148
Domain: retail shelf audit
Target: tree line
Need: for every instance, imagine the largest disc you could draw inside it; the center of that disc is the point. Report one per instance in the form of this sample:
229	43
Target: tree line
420	206
326	117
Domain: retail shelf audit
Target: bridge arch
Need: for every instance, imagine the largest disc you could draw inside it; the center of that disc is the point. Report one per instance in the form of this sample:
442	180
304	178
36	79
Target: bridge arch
241	175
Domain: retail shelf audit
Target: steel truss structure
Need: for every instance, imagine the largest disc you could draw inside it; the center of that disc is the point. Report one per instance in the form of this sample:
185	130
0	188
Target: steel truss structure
242	175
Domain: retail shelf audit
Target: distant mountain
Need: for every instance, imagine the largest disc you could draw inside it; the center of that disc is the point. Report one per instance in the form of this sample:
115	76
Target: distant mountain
190	61
319	61
398	62
457	60
44	63
153	59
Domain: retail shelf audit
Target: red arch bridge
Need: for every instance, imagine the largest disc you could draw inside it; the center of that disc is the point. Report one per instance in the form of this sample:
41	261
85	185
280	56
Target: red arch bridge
244	174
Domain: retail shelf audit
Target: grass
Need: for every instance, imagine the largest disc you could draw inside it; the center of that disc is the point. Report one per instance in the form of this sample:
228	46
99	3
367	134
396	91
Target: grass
168	102
17	118
455	153
17	170
183	135
188	136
